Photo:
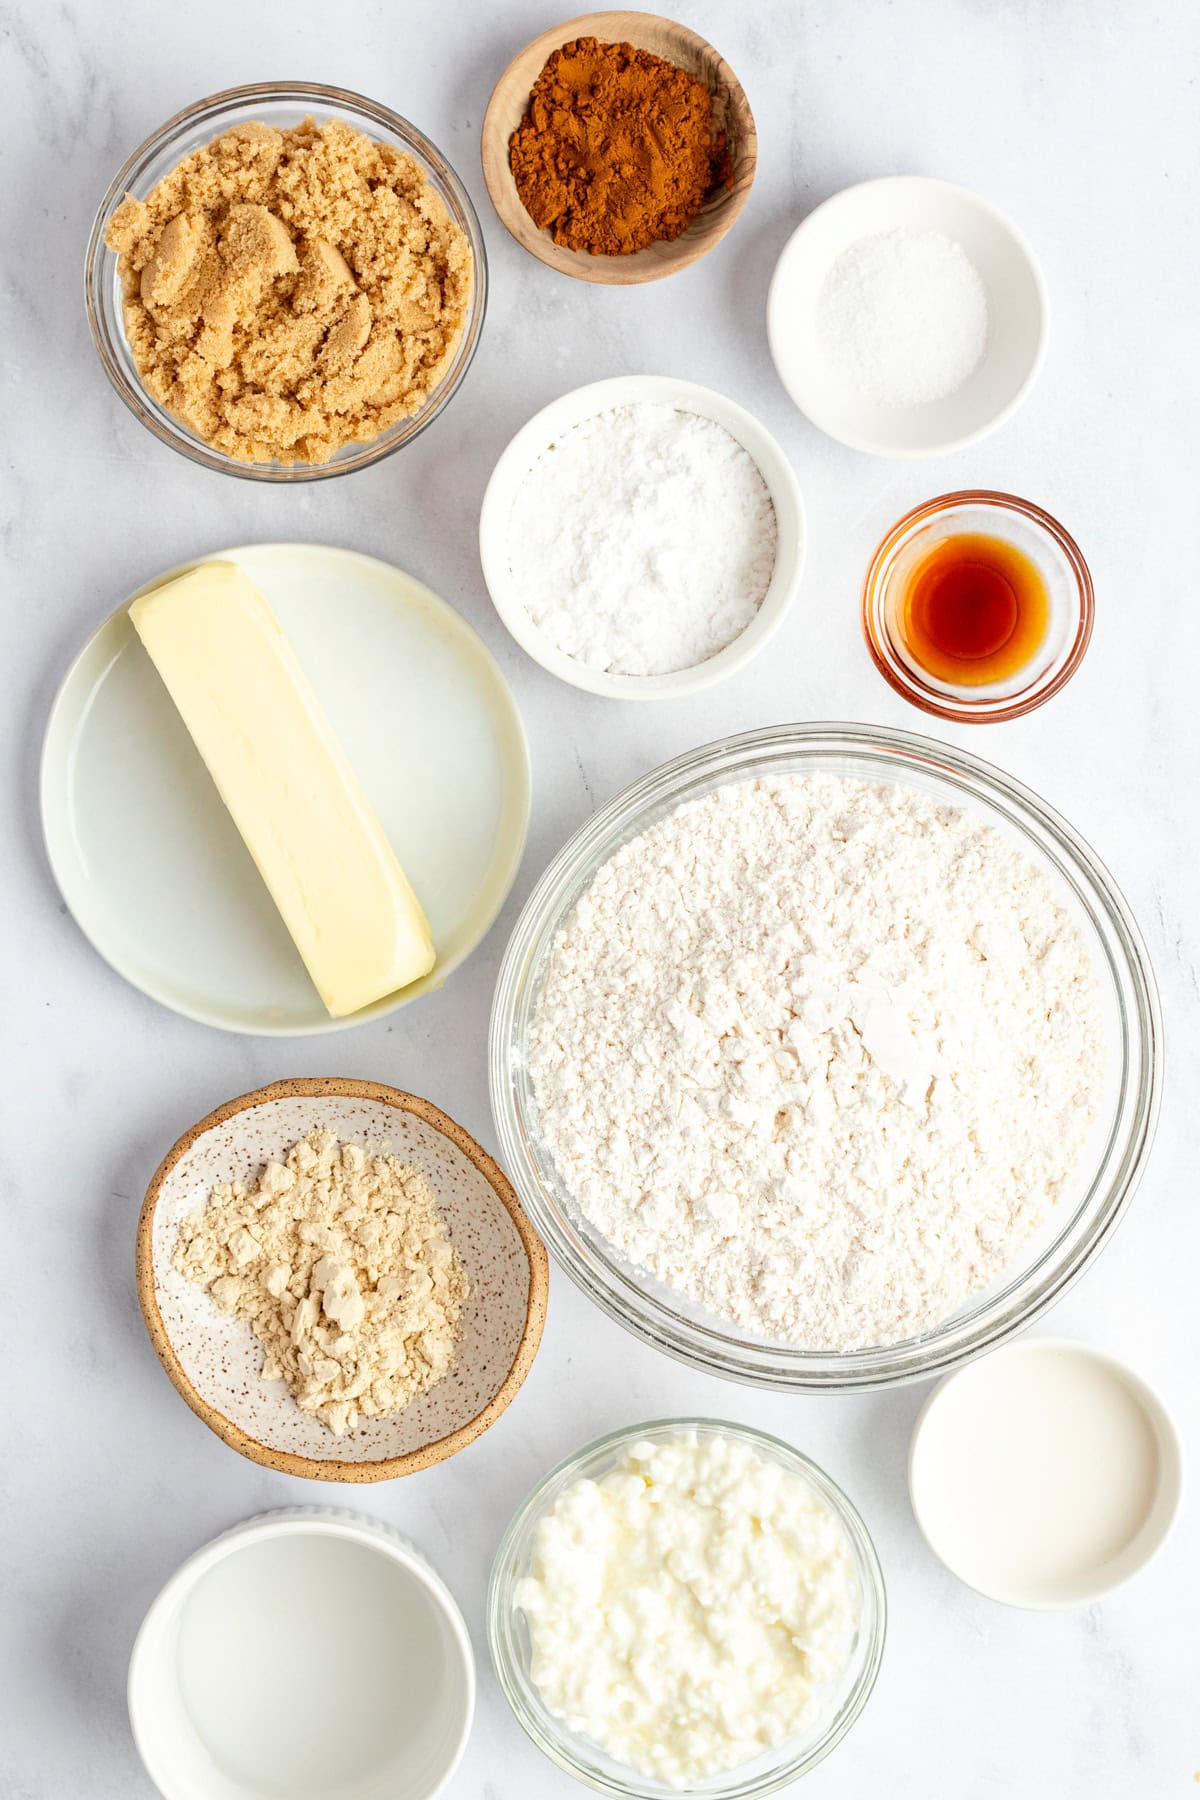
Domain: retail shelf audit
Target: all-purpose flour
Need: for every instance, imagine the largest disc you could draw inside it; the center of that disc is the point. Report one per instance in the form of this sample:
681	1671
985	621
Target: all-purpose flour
820	1054
642	541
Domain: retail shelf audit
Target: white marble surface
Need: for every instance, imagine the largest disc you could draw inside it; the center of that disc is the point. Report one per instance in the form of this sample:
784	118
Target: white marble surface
1078	119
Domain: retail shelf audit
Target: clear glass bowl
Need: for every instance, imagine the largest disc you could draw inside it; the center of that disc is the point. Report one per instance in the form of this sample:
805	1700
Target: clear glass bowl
1051	549
509	1641
1087	1213
280	103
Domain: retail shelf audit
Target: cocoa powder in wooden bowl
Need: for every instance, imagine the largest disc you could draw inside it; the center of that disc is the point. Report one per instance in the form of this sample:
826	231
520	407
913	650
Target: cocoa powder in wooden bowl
721	171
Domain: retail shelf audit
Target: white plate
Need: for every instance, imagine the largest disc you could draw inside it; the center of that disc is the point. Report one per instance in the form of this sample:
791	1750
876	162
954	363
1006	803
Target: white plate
151	864
584	403
1017	317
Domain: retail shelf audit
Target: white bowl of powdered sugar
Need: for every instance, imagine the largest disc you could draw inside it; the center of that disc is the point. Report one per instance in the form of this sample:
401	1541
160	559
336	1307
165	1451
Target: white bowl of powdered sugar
642	537
907	317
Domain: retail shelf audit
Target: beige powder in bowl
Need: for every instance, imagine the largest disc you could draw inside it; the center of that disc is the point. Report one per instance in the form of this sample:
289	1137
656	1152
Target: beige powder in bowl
290	292
339	1261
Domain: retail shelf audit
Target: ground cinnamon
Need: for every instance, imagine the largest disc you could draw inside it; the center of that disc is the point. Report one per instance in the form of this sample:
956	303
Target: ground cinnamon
617	149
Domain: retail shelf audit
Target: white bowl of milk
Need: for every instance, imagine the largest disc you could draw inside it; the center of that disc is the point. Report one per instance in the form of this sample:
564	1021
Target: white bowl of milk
1045	1474
306	1651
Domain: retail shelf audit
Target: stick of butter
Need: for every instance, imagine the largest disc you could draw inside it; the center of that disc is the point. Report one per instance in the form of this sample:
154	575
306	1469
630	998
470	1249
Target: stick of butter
287	782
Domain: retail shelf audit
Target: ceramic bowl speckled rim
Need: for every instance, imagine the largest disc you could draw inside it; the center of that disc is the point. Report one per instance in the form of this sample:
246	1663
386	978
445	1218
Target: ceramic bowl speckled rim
334	1468
1121	1140
171	1760
279	103
508	1632
572	409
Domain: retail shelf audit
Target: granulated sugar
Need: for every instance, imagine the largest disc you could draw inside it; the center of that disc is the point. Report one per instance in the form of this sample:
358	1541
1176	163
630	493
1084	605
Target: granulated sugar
902	317
820	1054
643	540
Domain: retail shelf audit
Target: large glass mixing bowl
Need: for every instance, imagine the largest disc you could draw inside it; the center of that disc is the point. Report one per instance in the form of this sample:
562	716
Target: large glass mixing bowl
1086	1215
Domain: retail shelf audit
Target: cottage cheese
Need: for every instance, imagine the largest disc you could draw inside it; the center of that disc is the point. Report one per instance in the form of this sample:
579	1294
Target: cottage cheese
687	1609
819	1053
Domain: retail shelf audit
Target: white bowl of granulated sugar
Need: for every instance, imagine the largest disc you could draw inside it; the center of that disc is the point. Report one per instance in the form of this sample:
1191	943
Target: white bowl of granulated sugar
642	538
906	317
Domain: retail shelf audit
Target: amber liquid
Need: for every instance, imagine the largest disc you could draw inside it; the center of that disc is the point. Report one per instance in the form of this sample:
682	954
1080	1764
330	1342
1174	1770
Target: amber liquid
972	609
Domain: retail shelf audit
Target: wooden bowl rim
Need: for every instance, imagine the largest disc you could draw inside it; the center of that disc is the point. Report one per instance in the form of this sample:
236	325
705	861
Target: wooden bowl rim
581	265
313	1468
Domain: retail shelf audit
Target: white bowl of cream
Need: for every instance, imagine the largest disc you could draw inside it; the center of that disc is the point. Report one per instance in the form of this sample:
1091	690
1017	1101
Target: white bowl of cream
308	1651
1046	1474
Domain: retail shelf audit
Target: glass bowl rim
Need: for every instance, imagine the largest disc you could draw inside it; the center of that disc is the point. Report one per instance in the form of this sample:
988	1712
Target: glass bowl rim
905	681
560	1748
1029	1291
107	330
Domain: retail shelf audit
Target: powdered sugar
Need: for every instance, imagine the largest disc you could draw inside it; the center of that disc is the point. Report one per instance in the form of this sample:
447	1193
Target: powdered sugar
643	540
820	1054
902	316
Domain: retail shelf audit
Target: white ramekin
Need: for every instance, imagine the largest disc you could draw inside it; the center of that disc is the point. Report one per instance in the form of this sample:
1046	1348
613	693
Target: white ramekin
1018	317
183	1752
1046	1590
584	403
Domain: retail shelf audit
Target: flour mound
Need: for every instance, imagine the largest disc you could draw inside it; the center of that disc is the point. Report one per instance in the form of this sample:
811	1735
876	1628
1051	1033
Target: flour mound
820	1054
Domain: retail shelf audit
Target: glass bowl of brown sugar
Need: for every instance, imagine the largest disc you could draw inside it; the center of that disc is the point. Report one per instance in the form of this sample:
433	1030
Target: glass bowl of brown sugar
375	404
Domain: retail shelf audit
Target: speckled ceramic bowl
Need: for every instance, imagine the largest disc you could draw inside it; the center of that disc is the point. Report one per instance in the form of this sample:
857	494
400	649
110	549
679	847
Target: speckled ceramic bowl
215	1362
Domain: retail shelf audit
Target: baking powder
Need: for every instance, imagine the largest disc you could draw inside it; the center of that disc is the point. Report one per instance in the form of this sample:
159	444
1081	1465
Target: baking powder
902	317
820	1054
642	541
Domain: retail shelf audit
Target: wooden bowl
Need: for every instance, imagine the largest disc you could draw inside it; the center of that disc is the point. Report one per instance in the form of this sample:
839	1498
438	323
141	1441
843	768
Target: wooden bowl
215	1361
731	114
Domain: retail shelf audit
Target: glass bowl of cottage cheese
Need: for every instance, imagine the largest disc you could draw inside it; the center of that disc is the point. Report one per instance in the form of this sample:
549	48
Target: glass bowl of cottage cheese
826	1057
690	1607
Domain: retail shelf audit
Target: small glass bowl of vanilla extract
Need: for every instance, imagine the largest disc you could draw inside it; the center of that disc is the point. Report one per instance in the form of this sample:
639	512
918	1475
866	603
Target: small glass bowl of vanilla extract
978	606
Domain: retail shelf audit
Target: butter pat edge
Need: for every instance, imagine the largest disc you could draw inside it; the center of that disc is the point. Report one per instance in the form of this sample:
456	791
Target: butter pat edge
286	781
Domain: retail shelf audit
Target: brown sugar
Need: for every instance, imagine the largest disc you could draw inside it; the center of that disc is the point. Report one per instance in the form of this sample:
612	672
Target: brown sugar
290	292
617	149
